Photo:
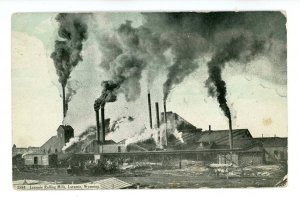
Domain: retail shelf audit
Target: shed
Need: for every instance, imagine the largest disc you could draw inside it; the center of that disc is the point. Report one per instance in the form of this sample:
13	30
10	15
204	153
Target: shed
247	152
275	148
40	160
109	146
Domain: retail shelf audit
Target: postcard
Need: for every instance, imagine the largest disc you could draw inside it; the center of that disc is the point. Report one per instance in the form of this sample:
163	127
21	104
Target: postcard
148	100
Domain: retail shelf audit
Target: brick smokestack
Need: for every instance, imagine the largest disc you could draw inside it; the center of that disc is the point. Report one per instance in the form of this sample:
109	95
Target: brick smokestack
102	134
230	134
98	125
64	101
157	114
165	120
150	113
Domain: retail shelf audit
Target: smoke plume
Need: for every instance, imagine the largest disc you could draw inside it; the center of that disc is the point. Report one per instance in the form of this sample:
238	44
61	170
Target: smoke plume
185	38
204	33
126	53
108	94
240	49
72	87
67	50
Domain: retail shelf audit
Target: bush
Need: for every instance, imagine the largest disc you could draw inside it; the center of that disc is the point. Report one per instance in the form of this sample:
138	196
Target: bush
104	166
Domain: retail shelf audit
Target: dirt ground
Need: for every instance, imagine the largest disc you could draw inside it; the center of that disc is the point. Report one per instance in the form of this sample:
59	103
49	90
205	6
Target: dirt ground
188	177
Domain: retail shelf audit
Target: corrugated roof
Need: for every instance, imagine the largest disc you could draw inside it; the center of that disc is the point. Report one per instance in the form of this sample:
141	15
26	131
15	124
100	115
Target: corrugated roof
238	143
111	183
222	136
273	141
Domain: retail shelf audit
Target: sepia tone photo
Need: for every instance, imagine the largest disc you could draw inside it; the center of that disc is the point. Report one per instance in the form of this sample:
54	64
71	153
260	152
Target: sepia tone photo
149	100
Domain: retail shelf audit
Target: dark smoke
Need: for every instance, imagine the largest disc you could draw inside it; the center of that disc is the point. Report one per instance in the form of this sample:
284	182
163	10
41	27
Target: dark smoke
67	53
187	37
124	57
210	27
126	72
240	49
108	94
186	48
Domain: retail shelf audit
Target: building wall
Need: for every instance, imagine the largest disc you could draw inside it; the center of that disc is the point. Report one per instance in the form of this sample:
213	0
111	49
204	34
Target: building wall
112	148
271	155
41	160
242	158
93	147
251	158
228	158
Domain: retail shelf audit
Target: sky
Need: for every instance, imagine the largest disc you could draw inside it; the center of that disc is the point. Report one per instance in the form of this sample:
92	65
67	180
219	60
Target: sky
172	48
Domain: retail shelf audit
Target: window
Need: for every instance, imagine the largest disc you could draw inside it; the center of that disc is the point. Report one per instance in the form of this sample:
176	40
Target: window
119	149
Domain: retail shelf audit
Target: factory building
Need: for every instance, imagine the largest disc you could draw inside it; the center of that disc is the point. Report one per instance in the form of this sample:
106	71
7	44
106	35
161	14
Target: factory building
109	146
246	150
20	150
175	136
218	139
275	148
56	143
36	159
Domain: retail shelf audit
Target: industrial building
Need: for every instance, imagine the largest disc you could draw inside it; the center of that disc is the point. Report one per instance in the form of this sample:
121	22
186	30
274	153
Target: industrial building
109	146
41	160
275	148
47	154
176	138
21	150
57	142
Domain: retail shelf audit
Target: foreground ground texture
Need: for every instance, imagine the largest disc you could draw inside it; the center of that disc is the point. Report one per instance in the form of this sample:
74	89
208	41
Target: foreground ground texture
193	175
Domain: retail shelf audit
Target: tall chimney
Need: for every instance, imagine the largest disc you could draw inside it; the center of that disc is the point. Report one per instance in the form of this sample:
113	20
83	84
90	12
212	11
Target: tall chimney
150	113
209	127
102	135
157	114
165	120
230	135
98	125
64	101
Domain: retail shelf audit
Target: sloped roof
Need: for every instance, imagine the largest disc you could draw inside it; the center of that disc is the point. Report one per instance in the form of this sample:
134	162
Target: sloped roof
112	183
188	136
52	142
220	137
272	141
181	123
238	143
